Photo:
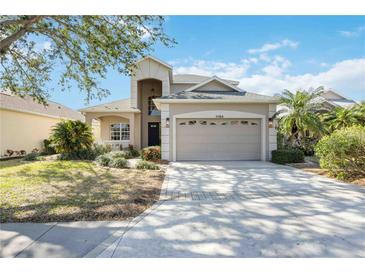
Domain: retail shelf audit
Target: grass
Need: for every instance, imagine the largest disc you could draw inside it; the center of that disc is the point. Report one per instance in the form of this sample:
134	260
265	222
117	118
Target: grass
45	191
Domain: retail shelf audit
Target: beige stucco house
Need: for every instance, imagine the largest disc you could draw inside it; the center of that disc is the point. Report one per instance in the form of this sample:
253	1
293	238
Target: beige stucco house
192	117
24	123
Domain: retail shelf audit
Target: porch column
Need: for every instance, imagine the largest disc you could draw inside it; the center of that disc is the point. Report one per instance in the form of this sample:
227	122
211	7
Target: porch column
131	129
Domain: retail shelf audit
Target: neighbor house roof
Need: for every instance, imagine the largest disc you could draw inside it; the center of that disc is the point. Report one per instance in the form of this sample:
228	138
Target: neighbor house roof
28	105
336	99
123	105
195	79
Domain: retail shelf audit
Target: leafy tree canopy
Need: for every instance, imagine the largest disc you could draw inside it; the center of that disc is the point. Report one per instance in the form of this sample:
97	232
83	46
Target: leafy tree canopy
84	47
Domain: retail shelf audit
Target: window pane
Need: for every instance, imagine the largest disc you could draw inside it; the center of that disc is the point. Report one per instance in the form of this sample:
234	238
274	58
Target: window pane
125	132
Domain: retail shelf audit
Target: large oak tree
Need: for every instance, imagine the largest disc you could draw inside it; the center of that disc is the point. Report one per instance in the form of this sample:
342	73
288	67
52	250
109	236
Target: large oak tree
84	47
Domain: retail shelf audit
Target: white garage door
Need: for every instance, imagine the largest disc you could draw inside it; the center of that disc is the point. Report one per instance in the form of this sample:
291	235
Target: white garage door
218	139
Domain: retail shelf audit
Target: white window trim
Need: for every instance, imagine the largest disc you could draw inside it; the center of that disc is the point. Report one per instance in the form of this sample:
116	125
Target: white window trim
120	131
226	114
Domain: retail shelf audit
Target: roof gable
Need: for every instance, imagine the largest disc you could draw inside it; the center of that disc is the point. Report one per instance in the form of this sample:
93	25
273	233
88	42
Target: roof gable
214	82
150	57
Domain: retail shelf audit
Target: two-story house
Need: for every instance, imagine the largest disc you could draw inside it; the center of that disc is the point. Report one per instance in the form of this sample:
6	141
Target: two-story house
192	117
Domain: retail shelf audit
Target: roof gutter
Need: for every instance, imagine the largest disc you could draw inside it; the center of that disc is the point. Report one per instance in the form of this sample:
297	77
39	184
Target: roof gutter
159	101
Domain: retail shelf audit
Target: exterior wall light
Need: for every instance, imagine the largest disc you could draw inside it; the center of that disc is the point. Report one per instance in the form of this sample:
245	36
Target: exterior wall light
271	123
167	122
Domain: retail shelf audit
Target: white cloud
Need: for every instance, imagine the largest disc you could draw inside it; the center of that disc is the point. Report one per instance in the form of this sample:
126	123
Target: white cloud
210	68
274	46
355	33
345	76
272	76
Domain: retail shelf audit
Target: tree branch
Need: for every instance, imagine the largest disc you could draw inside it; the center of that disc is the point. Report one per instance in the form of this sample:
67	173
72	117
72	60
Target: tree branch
6	43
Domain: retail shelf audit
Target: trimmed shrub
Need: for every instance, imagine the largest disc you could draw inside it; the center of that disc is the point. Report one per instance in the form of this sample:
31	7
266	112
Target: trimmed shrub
103	160
31	156
343	152
85	154
117	154
151	153
286	156
141	164
118	162
101	149
133	152
48	148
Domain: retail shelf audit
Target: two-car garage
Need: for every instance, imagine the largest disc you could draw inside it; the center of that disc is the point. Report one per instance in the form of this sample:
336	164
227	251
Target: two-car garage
218	139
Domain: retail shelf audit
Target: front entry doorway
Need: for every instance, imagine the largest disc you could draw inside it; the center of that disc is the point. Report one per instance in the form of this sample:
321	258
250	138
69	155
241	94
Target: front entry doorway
154	134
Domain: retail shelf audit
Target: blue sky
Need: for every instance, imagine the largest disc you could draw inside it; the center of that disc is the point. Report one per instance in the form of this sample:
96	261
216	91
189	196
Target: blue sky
265	53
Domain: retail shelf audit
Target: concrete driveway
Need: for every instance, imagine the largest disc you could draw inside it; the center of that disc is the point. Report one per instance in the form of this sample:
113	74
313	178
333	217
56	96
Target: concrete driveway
246	209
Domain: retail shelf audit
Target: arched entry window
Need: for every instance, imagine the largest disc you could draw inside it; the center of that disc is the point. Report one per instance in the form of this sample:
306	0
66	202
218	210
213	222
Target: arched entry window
151	104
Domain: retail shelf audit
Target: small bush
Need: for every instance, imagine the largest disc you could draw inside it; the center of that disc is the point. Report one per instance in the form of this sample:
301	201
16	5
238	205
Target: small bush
86	154
48	148
31	156
151	153
286	156
133	152
118	154
103	160
147	165
343	152
101	149
118	162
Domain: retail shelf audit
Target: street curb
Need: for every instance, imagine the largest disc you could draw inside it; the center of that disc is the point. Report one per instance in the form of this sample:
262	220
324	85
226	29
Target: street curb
100	248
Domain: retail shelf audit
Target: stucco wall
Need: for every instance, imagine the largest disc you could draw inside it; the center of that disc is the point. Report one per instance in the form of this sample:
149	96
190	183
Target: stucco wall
23	131
174	109
149	69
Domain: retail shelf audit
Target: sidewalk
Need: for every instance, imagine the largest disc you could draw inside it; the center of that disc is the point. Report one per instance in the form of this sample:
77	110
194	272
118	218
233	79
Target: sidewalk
71	239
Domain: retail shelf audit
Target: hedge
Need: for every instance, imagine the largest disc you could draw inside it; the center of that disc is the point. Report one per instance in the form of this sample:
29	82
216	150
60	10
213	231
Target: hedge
343	152
286	156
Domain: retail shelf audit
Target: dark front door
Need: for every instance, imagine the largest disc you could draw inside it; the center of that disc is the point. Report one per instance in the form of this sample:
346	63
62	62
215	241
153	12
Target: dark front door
154	134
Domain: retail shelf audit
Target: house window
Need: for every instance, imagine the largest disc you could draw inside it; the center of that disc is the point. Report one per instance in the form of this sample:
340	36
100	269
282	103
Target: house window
119	132
151	104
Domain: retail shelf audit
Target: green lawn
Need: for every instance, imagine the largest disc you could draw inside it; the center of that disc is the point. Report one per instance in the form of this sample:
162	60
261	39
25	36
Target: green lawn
73	190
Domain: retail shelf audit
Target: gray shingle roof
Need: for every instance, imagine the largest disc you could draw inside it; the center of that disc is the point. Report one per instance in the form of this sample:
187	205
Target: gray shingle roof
123	105
195	79
8	101
227	95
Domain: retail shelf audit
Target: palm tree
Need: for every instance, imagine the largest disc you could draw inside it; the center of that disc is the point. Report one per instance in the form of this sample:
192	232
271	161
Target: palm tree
344	117
71	136
298	114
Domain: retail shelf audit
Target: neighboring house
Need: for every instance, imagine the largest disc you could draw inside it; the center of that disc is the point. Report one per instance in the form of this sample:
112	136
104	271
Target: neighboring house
334	99
24	123
192	117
